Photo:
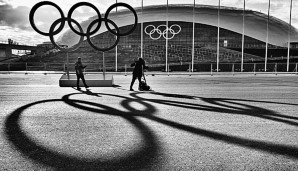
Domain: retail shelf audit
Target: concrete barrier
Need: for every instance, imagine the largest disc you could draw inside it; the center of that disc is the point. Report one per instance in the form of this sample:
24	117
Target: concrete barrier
92	80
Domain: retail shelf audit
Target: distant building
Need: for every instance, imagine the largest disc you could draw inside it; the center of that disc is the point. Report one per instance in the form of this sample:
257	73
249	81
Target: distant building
180	33
47	45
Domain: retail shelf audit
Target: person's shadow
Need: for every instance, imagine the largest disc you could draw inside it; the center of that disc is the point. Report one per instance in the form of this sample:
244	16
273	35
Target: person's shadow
88	92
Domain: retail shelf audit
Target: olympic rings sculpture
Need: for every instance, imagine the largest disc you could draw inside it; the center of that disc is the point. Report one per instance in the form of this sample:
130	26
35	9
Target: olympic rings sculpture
162	33
89	32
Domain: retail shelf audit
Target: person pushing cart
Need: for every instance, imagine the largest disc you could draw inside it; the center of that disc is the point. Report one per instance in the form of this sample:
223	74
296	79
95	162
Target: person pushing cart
138	72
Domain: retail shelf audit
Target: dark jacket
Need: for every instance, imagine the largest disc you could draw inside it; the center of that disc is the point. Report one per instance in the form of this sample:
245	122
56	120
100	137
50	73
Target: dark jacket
79	68
139	66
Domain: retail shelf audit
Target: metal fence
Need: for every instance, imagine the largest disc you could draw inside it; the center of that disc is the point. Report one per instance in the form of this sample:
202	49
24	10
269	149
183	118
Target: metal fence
174	67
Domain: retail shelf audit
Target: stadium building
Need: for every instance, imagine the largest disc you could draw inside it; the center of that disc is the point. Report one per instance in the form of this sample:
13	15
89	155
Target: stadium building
149	39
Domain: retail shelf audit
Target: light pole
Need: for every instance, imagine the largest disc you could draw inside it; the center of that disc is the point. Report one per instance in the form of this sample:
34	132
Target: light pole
218	21
289	37
267	37
193	36
243	27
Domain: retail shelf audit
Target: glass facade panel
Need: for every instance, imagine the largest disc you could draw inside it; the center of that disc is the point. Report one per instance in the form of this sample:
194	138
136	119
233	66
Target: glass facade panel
284	15
294	44
251	48
180	40
154	50
155	43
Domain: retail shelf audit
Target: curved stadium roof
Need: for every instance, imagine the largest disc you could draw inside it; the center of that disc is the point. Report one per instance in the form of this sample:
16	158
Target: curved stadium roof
230	19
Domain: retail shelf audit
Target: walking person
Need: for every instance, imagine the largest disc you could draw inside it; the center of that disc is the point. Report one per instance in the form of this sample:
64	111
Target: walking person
137	71
79	72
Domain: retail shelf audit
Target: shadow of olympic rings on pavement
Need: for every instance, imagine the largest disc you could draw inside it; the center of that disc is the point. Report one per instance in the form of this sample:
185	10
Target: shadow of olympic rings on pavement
142	157
231	108
228	106
221	108
181	96
145	155
255	111
250	110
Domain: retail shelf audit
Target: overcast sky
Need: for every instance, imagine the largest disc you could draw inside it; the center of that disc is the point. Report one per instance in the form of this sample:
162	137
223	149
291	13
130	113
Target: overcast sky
14	14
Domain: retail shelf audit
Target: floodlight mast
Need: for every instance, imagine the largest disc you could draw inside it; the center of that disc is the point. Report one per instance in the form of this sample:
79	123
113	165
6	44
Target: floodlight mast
142	30
267	37
167	24
218	21
193	36
289	37
243	29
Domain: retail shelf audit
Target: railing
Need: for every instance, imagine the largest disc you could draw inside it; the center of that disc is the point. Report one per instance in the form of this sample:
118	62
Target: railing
172	67
17	43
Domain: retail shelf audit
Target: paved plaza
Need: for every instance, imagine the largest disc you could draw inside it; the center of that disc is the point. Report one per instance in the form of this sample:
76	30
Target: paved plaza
198	122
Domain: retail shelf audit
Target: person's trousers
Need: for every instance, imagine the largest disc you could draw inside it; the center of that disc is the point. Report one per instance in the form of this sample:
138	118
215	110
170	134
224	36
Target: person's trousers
134	77
81	76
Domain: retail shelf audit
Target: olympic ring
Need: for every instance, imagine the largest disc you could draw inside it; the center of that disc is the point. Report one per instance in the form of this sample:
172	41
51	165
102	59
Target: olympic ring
71	10
32	12
131	9
88	33
102	49
152	31
52	36
162	33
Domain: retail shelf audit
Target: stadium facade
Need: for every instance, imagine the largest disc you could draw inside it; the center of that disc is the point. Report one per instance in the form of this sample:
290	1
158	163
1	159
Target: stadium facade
149	41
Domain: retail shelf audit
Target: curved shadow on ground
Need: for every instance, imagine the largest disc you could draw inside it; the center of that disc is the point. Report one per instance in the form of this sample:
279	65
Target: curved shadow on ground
150	109
221	107
224	105
140	158
182	96
250	110
256	111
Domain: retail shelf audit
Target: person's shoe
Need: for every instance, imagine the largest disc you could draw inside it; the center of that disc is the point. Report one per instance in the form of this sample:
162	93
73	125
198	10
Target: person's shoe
131	89
86	86
78	88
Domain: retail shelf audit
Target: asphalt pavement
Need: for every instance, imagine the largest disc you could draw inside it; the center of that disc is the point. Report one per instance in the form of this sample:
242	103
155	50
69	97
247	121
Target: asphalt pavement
197	122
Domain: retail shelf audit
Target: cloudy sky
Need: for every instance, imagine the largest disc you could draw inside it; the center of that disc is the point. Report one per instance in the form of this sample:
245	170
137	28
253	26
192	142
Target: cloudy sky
14	14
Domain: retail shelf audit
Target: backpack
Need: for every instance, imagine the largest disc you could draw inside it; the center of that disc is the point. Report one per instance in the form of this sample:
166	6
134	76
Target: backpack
143	85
